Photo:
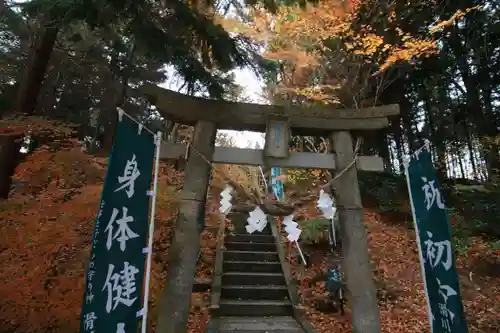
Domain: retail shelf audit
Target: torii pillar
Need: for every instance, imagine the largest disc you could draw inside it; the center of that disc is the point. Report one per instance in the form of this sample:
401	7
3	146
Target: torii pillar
183	252
356	263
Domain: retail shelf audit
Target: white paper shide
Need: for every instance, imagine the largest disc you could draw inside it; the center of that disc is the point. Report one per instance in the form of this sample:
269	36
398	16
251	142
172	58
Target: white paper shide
225	200
326	205
257	220
291	228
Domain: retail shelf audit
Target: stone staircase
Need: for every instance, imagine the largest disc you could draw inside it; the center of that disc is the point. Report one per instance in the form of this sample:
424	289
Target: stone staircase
250	292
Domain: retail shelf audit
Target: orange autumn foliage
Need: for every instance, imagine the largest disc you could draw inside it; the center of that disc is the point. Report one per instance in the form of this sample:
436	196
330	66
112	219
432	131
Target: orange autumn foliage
45	244
66	170
58	132
324	55
45	238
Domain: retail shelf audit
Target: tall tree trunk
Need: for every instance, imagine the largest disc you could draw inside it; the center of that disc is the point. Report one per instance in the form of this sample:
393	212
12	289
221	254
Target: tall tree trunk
48	102
436	136
396	94
470	147
405	111
38	61
27	96
398	137
460	163
127	71
456	149
382	143
462	168
480	118
441	133
9	151
492	149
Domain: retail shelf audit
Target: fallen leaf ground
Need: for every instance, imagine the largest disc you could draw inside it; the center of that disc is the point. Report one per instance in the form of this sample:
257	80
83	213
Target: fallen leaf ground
400	288
45	233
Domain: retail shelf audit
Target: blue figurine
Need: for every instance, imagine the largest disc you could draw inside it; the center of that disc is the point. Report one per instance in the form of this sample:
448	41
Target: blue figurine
333	284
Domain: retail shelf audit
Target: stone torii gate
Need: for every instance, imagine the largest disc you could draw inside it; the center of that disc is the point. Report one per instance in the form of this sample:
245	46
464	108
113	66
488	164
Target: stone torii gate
207	116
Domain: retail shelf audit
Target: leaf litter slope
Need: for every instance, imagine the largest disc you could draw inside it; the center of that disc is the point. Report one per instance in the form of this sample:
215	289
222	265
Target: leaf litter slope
45	238
400	288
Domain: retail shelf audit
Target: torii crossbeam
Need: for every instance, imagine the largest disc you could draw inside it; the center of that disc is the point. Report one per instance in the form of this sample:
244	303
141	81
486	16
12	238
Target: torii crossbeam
313	121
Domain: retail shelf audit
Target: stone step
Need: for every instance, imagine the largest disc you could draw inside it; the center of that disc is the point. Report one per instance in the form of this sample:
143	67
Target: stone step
251	238
237	216
252	266
241	229
247	246
253	308
252	278
297	330
269	292
250	256
281	324
260	331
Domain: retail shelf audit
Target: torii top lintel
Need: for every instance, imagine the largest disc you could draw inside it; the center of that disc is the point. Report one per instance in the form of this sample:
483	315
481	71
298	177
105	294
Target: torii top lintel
316	120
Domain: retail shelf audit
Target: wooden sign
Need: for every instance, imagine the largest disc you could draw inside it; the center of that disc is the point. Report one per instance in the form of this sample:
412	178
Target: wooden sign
277	138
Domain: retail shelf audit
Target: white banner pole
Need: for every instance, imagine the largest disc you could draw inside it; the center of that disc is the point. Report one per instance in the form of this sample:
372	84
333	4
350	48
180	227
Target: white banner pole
301	254
263	177
406	164
151	234
334	235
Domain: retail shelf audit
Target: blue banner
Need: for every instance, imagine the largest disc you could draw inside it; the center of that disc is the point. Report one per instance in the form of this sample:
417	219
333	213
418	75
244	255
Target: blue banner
113	281
434	242
277	184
